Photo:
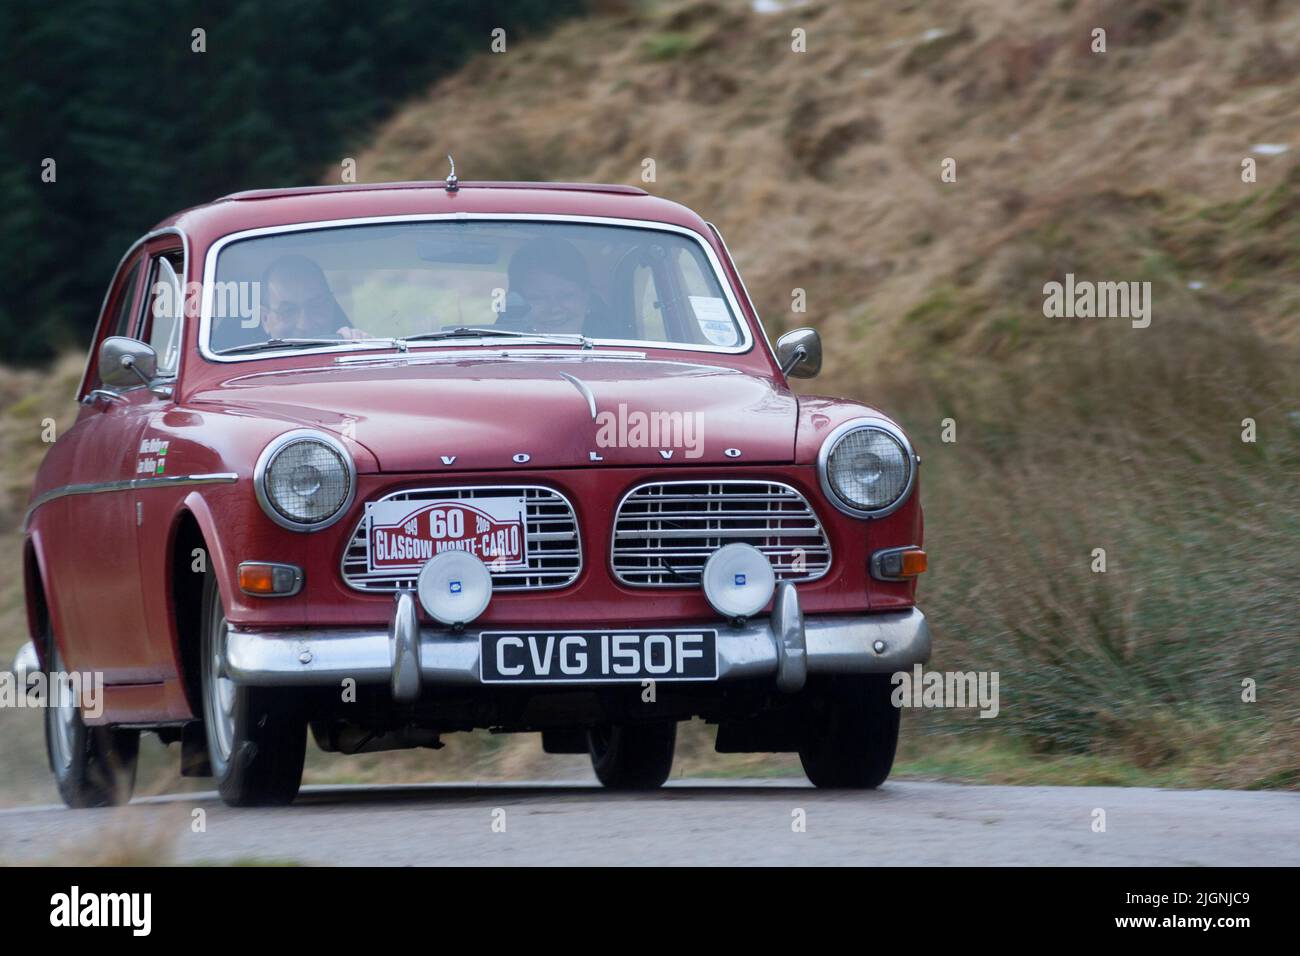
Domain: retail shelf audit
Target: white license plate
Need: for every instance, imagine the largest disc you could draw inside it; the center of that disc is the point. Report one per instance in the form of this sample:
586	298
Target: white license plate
590	657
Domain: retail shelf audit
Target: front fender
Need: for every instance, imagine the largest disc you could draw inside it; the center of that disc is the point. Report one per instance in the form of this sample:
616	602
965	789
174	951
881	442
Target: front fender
218	556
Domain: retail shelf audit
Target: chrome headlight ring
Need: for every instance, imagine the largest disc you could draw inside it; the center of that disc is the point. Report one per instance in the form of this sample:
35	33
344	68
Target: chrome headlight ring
267	459
911	461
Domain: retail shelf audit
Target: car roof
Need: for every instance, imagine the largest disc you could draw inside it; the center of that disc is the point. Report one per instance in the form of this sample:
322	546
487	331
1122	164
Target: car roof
260	208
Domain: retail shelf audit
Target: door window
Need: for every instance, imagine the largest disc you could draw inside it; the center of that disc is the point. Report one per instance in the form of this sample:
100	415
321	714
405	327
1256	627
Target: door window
118	319
164	306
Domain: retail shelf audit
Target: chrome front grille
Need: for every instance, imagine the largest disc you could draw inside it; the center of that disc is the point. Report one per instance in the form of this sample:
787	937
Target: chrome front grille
554	547
665	531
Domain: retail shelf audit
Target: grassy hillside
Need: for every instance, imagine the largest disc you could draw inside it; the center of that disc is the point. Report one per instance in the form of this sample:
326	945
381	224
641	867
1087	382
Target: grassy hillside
822	169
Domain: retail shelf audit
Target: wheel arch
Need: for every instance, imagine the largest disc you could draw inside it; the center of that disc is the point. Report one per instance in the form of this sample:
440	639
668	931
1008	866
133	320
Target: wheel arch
193	528
44	616
36	600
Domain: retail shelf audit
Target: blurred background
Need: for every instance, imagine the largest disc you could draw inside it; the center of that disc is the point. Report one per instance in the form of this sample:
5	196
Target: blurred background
822	169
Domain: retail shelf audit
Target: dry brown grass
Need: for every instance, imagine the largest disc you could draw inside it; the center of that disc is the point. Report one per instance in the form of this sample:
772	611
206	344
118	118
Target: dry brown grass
122	836
822	168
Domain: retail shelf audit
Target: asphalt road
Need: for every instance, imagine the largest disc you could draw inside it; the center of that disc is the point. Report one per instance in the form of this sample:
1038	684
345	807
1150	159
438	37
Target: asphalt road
688	822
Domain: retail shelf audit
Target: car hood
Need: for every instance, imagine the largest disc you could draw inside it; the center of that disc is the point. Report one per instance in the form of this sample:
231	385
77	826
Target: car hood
433	414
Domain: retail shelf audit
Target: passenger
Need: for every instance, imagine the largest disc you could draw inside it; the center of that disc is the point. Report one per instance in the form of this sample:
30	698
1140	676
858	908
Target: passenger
549	288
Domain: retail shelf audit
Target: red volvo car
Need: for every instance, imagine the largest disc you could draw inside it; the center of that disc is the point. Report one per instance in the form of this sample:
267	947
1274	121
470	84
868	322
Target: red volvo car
381	463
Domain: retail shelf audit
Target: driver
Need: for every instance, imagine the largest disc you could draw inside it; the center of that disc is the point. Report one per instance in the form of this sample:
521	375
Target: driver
297	303
549	288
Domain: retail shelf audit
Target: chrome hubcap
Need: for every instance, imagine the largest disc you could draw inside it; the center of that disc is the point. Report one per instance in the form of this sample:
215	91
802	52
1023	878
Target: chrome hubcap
62	714
219	699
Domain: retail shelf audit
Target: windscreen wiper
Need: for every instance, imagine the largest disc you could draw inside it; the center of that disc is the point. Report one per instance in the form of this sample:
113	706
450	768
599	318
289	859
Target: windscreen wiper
474	332
299	344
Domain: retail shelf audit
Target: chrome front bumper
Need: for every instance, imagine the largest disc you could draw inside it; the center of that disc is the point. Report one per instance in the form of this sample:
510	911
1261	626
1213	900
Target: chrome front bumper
785	646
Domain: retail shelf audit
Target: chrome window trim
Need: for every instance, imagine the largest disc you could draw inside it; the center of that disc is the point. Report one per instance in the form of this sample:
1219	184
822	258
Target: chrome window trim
812	510
717	234
126	484
210	272
268	455
855	424
131	250
437	489
177	333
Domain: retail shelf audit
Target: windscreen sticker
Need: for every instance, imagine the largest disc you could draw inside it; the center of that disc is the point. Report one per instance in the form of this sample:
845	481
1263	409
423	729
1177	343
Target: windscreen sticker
714	320
403	535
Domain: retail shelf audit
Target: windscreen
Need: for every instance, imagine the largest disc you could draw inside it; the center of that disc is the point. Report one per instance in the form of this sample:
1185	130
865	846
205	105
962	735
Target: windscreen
418	279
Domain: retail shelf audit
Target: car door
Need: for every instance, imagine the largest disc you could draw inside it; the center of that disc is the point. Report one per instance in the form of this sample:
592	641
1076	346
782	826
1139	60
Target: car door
103	608
161	327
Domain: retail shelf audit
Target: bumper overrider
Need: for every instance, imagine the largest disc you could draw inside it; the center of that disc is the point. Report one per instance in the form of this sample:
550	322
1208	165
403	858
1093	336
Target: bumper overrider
785	646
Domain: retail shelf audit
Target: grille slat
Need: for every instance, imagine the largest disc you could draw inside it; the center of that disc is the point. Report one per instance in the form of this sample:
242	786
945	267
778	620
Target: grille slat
551	527
657	546
737	533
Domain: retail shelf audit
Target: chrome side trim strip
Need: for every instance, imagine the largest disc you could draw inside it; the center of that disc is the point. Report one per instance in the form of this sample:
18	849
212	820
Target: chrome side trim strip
128	484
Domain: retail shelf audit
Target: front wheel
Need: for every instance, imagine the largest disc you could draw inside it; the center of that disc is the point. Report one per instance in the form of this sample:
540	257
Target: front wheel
93	766
635	756
257	741
850	732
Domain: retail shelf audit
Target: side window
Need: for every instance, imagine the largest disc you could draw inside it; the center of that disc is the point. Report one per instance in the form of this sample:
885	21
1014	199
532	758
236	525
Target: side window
117	319
124	314
163	307
692	273
648	312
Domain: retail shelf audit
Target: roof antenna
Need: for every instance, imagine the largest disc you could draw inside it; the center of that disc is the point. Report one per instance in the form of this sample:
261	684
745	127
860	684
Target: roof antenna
452	182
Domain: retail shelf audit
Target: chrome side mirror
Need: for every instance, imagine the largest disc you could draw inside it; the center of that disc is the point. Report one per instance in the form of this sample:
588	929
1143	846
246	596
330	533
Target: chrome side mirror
126	362
800	353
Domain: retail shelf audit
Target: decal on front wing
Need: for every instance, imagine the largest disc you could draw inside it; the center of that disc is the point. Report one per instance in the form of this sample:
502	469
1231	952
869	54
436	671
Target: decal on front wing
153	456
403	535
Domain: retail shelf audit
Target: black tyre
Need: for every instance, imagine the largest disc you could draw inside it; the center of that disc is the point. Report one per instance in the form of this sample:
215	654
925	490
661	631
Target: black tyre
850	732
93	766
632	756
257	738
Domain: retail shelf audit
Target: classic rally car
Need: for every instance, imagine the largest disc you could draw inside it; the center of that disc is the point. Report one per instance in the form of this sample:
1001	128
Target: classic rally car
381	463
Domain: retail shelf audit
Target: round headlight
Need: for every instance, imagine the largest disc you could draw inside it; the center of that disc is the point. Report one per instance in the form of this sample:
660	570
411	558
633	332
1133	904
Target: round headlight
867	467
305	480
